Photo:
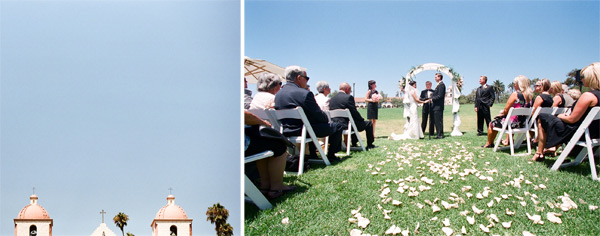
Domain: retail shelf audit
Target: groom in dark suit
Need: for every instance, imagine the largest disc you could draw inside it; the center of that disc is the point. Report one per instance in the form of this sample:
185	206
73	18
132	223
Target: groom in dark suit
484	99
343	100
426	94
438	105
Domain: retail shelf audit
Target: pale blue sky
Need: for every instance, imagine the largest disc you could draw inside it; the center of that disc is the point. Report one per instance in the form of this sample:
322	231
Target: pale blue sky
356	41
107	104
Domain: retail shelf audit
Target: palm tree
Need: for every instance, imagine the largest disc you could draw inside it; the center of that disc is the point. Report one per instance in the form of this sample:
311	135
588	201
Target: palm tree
121	221
511	86
498	88
217	214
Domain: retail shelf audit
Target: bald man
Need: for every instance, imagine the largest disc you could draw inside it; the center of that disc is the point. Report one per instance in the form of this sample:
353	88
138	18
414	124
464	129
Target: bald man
343	100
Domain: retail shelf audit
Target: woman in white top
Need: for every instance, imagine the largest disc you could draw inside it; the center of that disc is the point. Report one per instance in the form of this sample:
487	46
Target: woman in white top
412	129
268	85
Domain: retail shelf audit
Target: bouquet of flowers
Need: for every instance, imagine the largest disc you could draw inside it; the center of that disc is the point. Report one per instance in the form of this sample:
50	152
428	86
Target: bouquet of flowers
376	97
459	83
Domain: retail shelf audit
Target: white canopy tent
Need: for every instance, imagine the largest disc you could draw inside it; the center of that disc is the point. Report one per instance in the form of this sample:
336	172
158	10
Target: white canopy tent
254	67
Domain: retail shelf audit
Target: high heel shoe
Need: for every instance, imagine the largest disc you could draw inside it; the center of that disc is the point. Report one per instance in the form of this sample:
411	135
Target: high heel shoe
538	157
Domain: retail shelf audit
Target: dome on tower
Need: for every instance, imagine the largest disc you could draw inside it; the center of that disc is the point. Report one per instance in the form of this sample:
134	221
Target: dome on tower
33	210
171	210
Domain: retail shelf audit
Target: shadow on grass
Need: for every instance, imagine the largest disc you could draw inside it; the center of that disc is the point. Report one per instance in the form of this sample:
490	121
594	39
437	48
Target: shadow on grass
251	211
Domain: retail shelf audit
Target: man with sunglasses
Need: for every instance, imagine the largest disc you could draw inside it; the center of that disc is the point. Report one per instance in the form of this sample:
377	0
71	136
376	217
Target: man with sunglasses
294	94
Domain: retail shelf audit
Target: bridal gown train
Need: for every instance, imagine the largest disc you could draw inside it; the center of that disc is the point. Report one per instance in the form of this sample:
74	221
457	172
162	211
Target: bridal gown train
412	129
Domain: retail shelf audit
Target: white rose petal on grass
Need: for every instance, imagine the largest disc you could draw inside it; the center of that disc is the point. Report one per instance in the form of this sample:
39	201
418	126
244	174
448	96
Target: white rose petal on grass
354	212
434	218
537	219
466	188
420	206
396	202
285	221
490	204
447	231
527	233
493	217
413	194
497	199
591	207
463	230
504	196
484	228
446	222
465	212
363	222
506	224
355	232
477	210
523	203
510	213
479	196
352	220
417	227
405	232
553	217
471	220
393	230
469	195
435	208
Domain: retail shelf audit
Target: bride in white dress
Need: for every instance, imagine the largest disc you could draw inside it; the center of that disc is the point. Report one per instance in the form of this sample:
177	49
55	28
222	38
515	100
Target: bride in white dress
412	129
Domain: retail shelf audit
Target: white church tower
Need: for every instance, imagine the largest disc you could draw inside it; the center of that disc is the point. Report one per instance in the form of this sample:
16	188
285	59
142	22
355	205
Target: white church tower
33	220
171	220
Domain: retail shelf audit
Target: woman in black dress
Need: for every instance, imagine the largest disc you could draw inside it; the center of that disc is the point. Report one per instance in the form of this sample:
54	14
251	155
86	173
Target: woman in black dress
556	91
372	109
556	130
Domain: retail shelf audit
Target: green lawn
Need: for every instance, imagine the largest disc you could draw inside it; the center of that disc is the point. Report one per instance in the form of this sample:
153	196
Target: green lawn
326	196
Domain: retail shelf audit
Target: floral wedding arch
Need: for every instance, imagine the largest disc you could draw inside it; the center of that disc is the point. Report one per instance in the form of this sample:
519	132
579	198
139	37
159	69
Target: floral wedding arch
457	83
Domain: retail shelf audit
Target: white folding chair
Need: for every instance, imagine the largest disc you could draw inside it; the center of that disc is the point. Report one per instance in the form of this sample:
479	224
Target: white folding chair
266	114
506	128
250	189
587	145
298	114
345	113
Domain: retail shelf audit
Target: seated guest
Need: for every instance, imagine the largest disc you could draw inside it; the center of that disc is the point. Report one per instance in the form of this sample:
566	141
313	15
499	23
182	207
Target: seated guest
268	85
556	130
544	99
575	94
322	99
270	169
247	95
294	94
557	94
568	99
520	98
343	100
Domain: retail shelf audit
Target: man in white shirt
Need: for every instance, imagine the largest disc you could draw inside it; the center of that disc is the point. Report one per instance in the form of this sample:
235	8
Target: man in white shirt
321	98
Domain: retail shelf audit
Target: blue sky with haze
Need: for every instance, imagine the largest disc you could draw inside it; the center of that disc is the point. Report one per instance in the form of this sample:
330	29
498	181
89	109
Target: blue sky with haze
108	104
356	41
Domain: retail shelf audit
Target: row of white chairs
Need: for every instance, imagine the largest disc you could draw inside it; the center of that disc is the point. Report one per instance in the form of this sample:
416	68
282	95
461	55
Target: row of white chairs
275	117
583	131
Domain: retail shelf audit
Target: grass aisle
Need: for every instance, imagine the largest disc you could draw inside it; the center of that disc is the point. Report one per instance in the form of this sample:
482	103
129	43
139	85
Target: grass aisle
438	171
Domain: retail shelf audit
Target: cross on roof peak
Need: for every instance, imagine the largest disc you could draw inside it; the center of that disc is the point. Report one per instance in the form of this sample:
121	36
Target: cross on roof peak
102	213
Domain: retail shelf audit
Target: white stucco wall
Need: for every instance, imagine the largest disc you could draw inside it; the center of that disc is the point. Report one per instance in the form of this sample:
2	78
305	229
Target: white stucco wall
43	228
163	228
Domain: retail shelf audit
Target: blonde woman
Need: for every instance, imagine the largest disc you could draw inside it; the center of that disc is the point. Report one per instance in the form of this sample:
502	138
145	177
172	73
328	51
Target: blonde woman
556	91
520	98
556	130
